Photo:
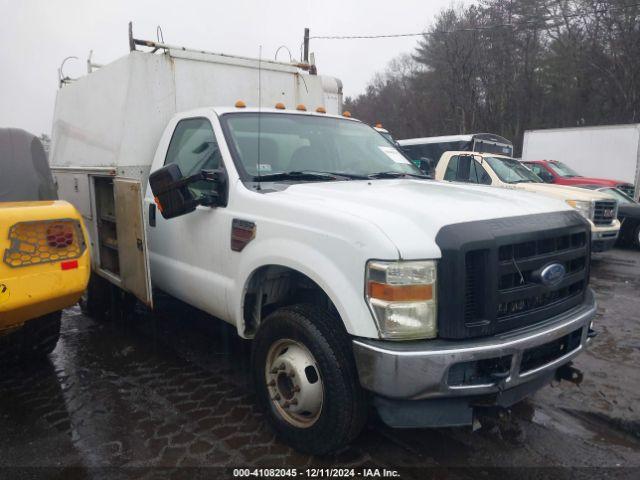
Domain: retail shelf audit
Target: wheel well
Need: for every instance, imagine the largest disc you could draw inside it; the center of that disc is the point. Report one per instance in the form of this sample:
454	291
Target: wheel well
274	286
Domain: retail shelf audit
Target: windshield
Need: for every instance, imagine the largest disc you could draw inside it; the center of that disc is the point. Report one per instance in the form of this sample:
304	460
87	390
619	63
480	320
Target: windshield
618	195
306	143
562	170
510	170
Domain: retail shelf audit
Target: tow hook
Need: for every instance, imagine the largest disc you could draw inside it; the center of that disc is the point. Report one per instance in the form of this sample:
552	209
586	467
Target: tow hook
592	333
569	373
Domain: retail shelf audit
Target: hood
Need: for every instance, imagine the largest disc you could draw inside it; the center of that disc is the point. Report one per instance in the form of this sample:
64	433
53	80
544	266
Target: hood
629	210
594	181
561	192
411	212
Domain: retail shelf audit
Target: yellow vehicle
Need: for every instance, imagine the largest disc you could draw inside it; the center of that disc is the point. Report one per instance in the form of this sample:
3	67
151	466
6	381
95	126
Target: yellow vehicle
44	255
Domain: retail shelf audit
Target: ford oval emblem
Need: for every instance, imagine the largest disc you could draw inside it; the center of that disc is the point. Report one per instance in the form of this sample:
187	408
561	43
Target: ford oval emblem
552	274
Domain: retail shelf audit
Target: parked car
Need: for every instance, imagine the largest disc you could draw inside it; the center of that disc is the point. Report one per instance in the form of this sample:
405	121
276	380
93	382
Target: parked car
607	151
359	280
599	209
44	256
553	171
628	214
425	152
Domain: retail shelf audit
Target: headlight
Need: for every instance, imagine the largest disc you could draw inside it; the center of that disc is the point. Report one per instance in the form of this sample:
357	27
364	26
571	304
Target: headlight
402	298
583	206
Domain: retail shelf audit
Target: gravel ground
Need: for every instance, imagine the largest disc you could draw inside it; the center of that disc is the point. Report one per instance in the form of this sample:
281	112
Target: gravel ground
157	394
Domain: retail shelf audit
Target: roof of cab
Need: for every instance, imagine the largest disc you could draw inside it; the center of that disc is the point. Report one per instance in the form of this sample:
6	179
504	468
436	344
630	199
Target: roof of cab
455	138
223	110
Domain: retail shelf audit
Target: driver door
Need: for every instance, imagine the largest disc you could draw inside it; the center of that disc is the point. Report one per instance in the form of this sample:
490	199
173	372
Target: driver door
185	251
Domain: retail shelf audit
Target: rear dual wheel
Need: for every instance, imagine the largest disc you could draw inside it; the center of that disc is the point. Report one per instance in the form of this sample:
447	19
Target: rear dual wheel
306	380
104	301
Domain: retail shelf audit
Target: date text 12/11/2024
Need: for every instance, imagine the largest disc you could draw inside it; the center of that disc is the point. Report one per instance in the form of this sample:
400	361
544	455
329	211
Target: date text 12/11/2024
315	473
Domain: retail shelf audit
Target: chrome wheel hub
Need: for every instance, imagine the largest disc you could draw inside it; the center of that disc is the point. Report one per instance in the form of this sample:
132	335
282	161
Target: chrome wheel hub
293	383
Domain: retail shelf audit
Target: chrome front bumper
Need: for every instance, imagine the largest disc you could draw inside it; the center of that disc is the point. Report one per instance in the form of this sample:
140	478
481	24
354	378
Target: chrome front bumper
420	370
603	241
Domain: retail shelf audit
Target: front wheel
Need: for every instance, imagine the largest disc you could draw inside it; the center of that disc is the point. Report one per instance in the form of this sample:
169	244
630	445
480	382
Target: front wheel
306	380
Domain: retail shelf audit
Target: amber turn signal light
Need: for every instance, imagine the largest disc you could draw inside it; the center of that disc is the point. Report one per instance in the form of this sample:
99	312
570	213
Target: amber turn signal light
400	293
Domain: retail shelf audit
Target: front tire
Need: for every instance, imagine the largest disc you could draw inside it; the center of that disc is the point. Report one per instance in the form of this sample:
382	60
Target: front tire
306	380
636	237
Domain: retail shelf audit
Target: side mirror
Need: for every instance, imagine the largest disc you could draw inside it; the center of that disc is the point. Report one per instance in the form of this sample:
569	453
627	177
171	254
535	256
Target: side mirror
173	196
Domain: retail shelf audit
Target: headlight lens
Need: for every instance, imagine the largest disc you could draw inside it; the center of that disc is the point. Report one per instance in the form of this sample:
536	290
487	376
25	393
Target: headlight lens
584	207
402	298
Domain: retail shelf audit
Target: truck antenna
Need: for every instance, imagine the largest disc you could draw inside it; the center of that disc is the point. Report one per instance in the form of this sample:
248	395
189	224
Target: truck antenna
259	111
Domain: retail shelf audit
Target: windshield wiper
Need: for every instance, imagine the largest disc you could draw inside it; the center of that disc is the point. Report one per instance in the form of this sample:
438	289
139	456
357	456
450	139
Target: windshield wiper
307	175
392	174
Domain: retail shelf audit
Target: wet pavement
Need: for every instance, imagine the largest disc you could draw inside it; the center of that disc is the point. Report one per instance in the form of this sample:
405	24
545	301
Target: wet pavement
150	396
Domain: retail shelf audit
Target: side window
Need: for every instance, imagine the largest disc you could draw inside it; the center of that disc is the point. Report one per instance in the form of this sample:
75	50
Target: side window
451	173
534	168
412	151
465	169
193	148
479	174
541	172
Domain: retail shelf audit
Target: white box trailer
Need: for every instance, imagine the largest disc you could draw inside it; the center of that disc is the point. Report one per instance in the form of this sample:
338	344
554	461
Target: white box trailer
611	151
108	123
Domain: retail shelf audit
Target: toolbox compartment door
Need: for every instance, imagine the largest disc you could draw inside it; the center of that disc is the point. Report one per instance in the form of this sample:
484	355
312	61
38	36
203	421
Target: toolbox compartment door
132	241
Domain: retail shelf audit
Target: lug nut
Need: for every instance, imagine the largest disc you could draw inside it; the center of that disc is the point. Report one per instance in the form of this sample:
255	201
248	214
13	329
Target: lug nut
272	383
296	388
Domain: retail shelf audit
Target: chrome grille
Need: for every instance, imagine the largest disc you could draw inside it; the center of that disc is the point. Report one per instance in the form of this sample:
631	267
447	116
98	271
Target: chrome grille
605	212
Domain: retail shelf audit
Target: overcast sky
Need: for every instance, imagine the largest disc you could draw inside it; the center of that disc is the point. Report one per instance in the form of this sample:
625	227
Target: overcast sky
36	35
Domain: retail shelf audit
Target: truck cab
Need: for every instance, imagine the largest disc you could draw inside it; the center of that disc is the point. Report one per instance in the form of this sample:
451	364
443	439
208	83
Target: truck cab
275	238
44	256
554	171
501	171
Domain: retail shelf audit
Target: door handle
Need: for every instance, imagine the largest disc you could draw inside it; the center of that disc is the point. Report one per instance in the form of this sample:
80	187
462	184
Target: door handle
152	214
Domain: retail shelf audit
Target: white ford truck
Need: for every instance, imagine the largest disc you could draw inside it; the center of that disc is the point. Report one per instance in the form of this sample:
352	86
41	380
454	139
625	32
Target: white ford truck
360	281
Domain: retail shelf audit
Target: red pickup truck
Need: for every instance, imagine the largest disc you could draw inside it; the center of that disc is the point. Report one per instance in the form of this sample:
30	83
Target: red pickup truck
553	171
